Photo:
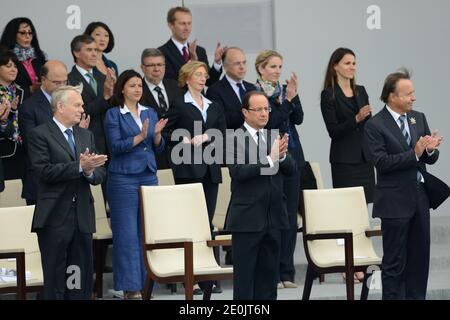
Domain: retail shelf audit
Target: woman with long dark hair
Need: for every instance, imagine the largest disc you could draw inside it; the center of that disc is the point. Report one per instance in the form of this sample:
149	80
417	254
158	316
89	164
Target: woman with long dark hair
345	110
20	36
11	95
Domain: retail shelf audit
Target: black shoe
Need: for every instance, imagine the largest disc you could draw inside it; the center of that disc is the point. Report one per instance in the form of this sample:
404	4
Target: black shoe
216	289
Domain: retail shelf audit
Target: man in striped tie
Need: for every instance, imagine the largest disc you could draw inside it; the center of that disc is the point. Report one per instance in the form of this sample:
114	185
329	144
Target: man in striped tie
401	145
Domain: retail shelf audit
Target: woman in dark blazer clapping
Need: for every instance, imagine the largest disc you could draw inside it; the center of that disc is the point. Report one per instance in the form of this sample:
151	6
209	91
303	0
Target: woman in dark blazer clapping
134	136
345	110
196	114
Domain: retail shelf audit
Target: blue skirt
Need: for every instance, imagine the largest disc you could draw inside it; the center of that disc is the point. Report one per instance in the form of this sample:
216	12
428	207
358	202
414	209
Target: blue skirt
123	198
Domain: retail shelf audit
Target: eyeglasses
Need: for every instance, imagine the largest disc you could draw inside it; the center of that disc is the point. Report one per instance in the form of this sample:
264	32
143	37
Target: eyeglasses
24	33
201	74
260	110
57	83
154	65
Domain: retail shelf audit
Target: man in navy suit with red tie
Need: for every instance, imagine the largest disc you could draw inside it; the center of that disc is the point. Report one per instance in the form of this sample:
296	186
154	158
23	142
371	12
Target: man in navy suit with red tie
178	51
401	145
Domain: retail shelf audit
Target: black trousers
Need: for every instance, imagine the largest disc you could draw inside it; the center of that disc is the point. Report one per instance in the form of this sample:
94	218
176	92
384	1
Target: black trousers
66	255
256	261
406	257
289	236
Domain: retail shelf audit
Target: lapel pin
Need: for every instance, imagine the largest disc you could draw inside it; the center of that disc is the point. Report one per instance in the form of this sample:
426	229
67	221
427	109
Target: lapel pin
412	120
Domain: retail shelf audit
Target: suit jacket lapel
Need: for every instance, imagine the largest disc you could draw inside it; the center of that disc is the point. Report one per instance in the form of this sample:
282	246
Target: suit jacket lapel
61	139
348	107
150	98
231	92
412	130
44	104
80	145
176	53
394	128
128	118
87	89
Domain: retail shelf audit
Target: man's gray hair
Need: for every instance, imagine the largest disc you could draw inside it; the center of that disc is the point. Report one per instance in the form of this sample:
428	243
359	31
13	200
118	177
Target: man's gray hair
61	94
151	52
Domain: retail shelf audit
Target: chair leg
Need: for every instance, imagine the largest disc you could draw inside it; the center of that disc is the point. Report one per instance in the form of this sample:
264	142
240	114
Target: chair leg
216	251
206	286
308	283
350	284
189	289
99	264
321	278
148	289
365	287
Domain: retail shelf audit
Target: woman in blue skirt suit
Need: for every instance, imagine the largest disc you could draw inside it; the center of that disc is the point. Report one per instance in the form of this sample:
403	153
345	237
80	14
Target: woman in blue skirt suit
133	133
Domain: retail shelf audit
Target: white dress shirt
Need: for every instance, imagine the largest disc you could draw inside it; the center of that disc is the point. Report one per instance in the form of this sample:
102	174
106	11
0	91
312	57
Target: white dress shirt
206	102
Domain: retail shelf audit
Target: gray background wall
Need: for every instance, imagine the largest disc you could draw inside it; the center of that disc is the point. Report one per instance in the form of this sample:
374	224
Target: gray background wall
413	33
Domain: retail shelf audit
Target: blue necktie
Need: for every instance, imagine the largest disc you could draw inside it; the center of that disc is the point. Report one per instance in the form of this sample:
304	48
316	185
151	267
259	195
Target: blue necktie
70	140
402	120
241	90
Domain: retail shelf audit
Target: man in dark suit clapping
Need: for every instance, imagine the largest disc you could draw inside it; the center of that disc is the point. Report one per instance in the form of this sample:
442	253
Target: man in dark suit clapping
257	210
401	145
230	90
64	158
36	110
178	51
158	93
97	88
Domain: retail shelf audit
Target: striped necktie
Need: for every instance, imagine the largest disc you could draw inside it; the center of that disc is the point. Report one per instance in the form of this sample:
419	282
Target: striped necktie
405	133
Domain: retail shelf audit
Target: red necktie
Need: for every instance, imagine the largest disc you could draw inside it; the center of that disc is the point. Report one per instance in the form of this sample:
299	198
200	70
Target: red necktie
185	54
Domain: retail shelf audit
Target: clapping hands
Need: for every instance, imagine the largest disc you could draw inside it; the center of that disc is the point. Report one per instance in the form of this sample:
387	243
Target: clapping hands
90	161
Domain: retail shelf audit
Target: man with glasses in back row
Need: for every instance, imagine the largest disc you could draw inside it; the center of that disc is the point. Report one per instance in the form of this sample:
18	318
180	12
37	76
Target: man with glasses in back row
36	110
158	93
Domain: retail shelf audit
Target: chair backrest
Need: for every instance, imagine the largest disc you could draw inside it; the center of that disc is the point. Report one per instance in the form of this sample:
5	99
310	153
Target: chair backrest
11	196
315	167
223	200
165	177
317	174
99	202
15	233
337	209
175	212
101	219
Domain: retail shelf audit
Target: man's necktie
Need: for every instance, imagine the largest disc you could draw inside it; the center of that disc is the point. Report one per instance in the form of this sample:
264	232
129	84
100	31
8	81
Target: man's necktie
402	120
70	140
261	146
241	90
92	82
185	54
161	99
